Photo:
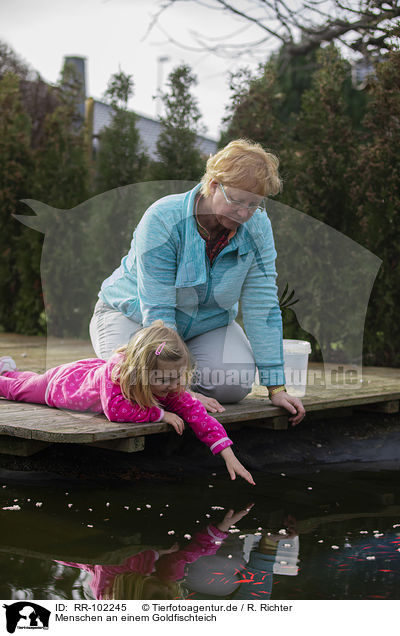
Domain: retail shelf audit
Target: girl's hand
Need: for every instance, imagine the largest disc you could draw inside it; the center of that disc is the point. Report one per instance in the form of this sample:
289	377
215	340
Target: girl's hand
231	518
175	421
234	466
291	404
212	405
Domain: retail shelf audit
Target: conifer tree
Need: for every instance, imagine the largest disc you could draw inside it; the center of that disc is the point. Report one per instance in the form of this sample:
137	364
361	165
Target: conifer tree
376	203
121	160
323	147
16	163
253	112
61	181
178	155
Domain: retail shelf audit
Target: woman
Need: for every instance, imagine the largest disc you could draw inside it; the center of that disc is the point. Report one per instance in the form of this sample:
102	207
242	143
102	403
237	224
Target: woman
192	258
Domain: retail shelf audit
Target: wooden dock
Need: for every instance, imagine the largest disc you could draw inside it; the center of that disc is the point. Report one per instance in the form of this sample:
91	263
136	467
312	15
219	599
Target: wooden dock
332	390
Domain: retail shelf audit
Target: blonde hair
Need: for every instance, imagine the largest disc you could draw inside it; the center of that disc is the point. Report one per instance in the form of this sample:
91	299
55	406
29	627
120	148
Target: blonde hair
140	359
244	165
133	585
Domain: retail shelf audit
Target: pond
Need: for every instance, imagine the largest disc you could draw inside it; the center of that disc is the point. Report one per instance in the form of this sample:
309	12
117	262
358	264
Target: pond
319	535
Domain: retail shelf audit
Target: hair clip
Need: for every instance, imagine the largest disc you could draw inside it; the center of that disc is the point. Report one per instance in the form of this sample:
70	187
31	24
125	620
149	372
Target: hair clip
160	348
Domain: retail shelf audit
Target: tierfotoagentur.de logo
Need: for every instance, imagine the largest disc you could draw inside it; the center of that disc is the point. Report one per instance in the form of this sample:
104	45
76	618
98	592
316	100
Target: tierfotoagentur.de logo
26	615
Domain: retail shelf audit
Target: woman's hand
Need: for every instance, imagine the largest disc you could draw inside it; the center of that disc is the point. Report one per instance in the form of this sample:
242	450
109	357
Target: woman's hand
291	404
212	405
234	466
175	421
291	530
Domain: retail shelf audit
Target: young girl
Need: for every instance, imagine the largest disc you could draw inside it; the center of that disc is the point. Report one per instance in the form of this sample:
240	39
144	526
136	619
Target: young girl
144	381
152	573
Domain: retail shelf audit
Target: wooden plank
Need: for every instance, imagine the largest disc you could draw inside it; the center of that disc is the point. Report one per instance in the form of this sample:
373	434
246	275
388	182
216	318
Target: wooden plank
247	409
52	425
349	400
81	433
272	423
20	447
126	445
379	389
392	406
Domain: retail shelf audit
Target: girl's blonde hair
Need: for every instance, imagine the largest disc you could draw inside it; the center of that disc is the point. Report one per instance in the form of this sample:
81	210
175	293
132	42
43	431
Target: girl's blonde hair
132	585
140	362
244	165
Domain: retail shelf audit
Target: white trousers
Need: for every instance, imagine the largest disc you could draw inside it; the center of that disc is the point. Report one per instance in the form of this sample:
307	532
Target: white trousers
225	366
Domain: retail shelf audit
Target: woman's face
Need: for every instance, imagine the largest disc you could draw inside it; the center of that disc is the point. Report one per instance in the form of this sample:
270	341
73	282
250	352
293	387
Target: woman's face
233	206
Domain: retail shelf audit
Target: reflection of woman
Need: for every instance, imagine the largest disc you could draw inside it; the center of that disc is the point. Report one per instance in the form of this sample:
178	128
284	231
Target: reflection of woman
245	569
193	257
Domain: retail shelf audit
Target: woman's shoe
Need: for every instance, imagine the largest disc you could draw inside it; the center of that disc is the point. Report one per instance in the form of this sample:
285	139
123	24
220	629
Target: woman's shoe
7	364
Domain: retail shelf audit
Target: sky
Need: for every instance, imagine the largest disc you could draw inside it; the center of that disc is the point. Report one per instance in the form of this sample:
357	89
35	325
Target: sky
111	35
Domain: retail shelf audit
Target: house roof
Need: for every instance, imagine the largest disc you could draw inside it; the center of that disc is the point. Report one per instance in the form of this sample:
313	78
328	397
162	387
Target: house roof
149	130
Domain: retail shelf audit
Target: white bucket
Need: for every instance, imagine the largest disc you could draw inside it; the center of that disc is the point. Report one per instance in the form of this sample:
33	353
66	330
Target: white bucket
295	357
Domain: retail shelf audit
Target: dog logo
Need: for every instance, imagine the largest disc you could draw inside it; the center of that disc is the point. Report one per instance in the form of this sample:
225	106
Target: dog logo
26	615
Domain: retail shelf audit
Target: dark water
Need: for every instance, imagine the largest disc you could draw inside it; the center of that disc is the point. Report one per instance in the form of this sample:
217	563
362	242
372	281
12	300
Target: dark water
342	538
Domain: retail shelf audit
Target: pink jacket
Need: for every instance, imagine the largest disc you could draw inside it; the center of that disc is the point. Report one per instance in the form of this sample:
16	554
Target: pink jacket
86	385
103	575
170	567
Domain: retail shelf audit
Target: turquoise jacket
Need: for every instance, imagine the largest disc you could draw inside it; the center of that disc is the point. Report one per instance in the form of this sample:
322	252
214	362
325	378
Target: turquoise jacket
167	275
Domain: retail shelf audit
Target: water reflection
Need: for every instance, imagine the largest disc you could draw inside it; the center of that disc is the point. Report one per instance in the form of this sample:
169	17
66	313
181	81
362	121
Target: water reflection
160	541
208	564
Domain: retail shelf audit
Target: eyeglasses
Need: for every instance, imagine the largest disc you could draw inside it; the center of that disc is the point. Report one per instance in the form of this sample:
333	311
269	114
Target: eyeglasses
238	204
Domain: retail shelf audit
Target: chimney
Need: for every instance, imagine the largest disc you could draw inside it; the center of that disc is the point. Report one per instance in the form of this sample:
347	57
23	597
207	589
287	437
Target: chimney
79	63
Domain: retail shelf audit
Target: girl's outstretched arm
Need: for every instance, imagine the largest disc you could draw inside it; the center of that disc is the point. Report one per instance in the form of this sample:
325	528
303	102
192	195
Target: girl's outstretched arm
206	428
234	466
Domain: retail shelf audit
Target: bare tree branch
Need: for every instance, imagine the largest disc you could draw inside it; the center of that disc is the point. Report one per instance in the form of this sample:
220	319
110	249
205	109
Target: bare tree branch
298	29
224	51
249	18
156	16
